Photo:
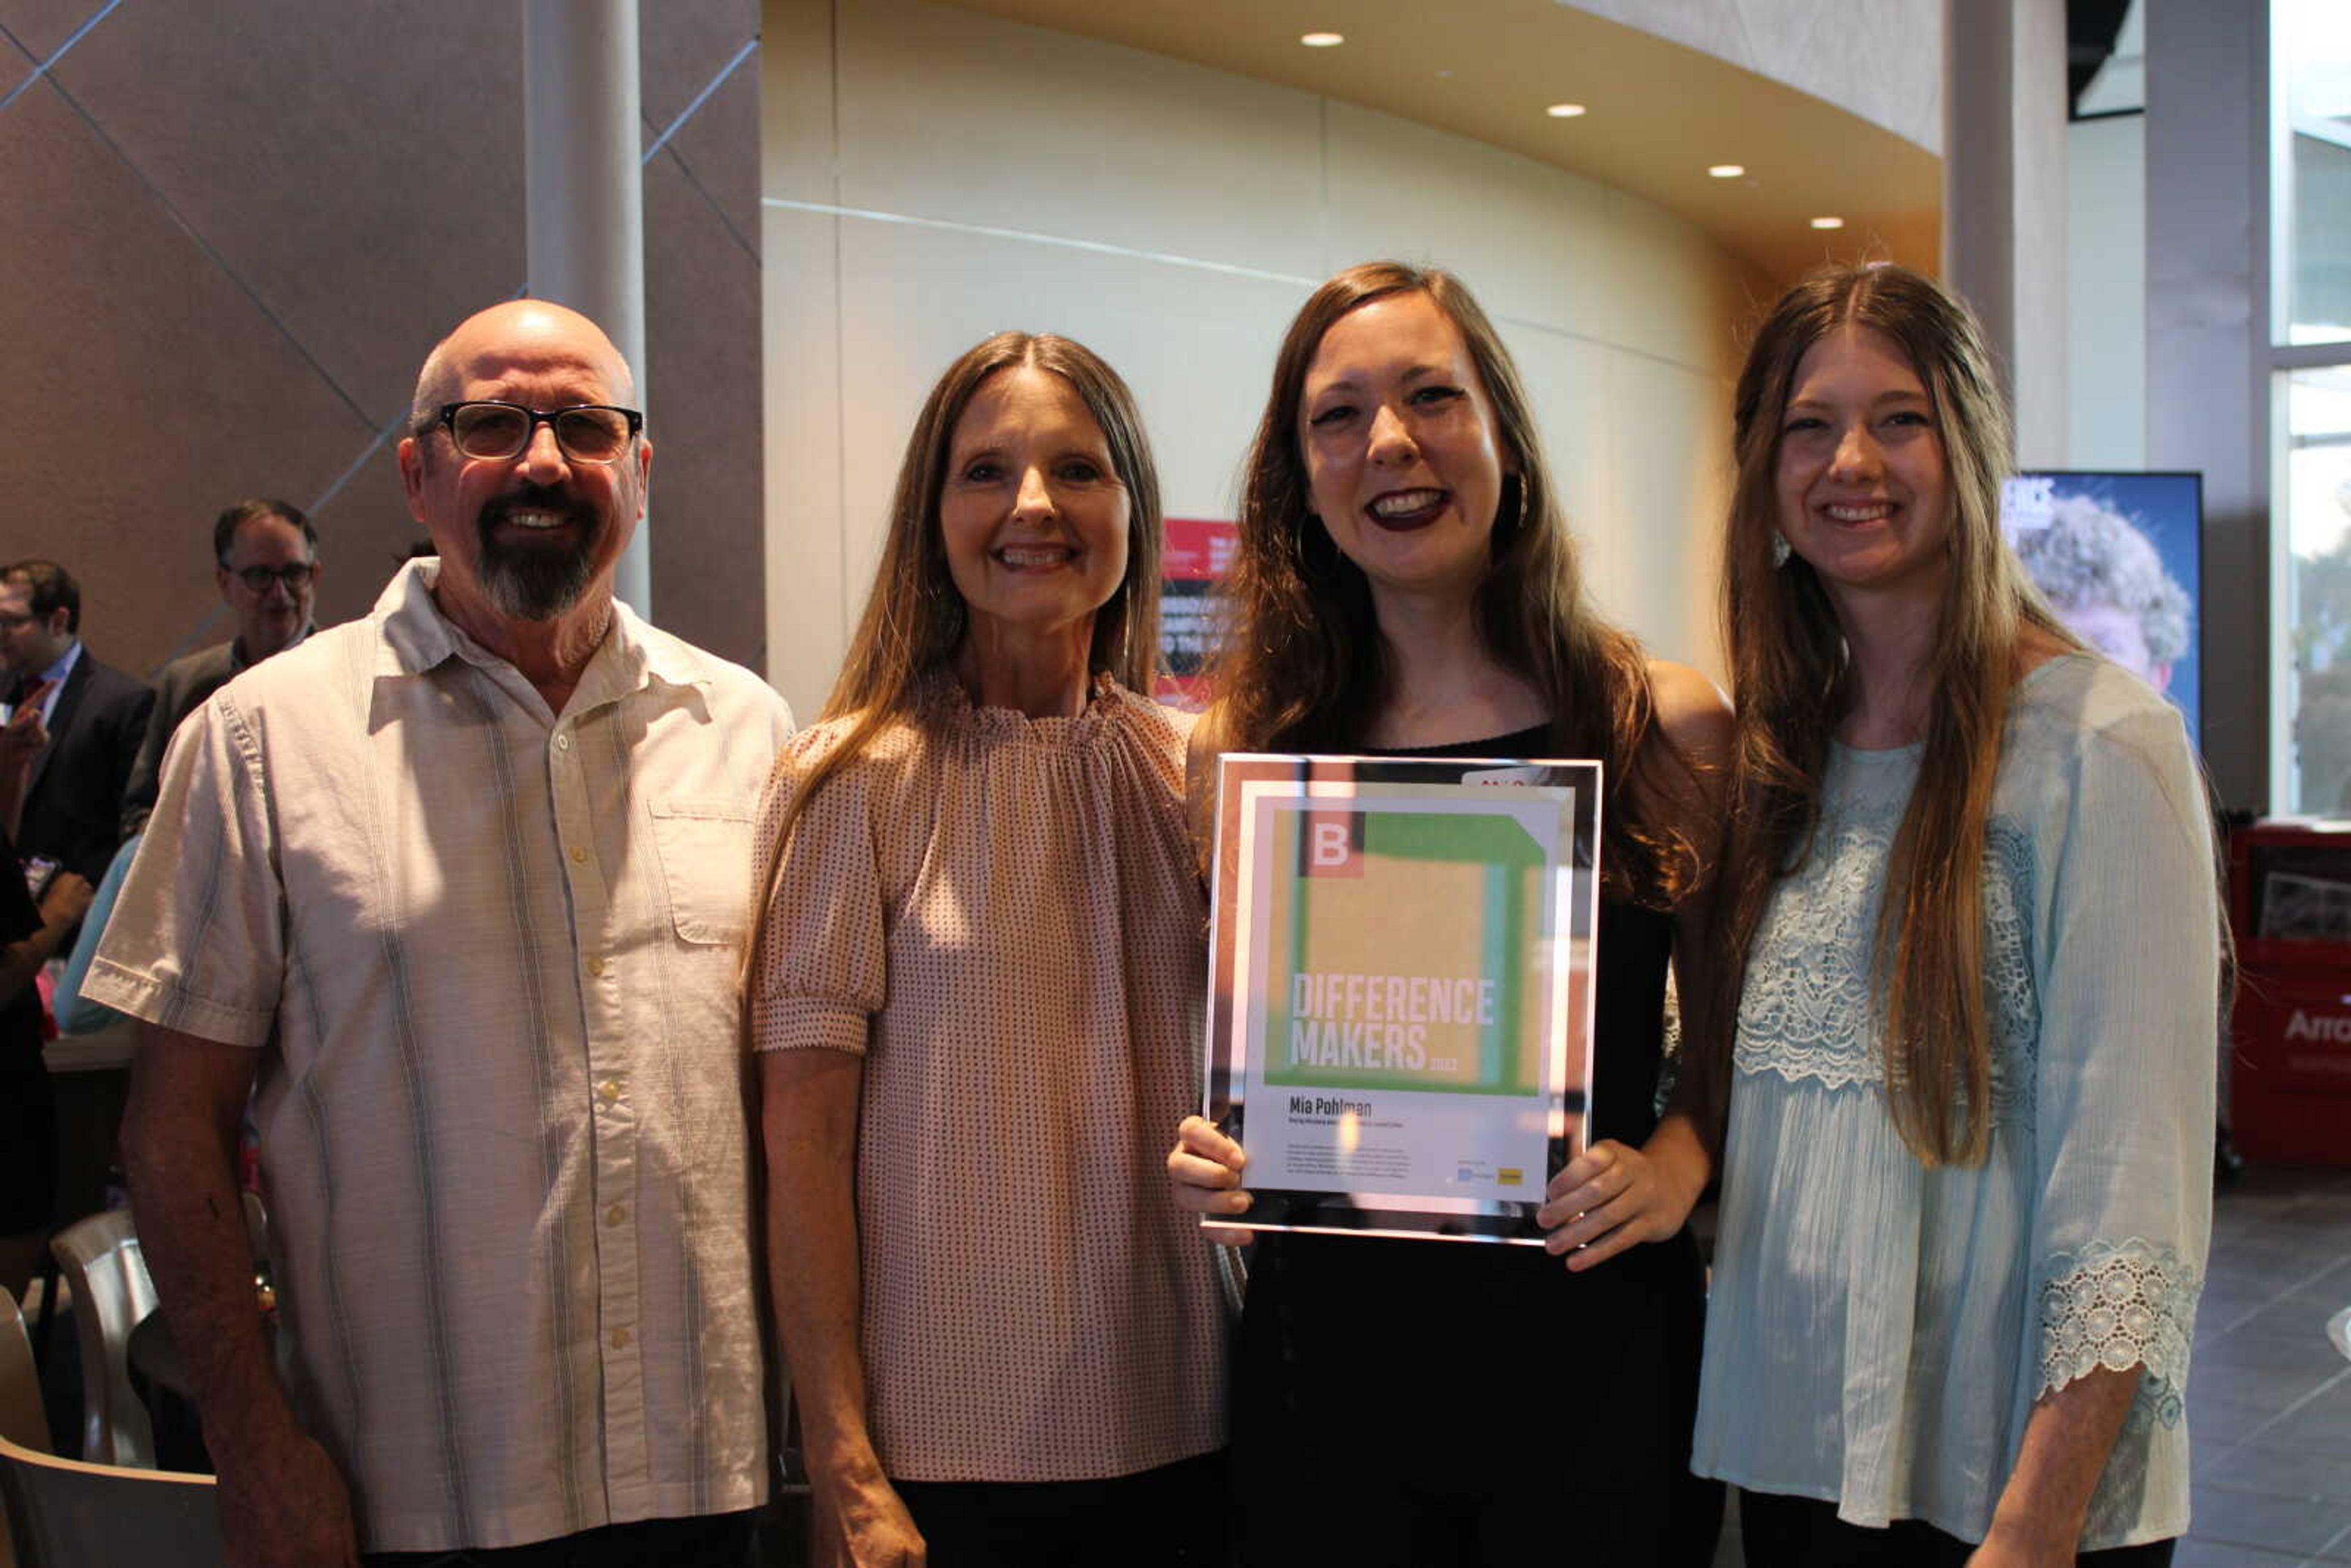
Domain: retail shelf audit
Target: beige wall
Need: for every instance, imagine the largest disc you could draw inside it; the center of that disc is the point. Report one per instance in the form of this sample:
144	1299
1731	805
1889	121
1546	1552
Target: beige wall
231	235
931	175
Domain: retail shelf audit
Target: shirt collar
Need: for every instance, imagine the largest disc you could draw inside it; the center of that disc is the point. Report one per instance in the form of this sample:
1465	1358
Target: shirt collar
58	672
417	637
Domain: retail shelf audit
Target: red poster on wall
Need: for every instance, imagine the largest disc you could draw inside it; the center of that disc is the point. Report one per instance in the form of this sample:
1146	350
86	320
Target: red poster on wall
1193	561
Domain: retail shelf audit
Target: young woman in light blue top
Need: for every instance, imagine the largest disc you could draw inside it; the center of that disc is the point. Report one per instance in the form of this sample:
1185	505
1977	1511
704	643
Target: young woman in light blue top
1967	1031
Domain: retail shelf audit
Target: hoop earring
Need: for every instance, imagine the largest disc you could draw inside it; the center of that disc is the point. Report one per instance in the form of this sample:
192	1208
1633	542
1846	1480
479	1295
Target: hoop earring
1507	529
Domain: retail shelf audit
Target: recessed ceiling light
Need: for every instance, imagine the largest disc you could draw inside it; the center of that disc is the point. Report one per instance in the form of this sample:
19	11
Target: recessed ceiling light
1321	40
1828	222
1727	170
1564	110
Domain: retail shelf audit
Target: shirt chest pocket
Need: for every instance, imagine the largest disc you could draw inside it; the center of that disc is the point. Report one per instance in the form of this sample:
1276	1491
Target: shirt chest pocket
705	845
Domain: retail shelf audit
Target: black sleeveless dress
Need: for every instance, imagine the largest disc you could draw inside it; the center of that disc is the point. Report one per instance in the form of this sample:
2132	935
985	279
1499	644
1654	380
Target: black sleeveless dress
1429	1403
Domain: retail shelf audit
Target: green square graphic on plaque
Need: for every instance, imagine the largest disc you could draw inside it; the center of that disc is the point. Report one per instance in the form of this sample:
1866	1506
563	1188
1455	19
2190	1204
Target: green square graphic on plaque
1410	974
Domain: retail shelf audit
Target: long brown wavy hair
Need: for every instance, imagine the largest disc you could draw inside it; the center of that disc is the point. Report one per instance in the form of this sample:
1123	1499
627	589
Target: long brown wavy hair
1792	684
915	618
1302	665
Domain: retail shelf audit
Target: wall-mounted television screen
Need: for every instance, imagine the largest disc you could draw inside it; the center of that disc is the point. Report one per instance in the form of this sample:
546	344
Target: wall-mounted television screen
2120	557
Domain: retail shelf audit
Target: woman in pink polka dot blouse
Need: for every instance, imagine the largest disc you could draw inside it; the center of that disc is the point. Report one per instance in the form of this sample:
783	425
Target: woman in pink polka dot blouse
1405	583
974	994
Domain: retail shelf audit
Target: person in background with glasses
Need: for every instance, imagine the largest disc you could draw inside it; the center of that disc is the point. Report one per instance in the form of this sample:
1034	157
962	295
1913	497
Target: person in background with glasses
459	889
266	561
69	727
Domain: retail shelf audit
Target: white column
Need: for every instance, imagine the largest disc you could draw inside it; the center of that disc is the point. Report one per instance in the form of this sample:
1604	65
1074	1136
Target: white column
584	187
2004	198
2208	350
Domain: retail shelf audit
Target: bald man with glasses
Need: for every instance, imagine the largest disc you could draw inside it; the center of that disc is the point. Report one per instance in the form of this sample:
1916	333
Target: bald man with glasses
456	891
265	564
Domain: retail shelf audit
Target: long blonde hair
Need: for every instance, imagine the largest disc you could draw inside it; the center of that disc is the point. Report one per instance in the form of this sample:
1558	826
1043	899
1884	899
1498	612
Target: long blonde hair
1302	666
1792	684
915	618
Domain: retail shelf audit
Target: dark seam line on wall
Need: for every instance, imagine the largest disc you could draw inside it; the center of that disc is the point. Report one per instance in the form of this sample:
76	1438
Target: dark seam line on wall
42	68
211	253
712	202
839	355
1064	242
30	76
1169	258
374	446
699	99
1322	158
1612	347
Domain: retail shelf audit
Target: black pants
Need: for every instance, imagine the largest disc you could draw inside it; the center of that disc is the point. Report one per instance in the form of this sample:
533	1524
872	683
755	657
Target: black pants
1803	1532
712	1541
1158	1518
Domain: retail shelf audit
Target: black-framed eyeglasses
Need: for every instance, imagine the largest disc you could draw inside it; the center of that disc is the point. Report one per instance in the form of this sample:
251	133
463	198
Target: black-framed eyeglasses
588	432
258	579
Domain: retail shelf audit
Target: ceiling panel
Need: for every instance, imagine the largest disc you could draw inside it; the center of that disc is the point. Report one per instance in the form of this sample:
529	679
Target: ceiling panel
1658	113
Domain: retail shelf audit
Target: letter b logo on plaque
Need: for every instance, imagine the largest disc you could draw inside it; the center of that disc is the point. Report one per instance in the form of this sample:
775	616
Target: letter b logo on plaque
1331	843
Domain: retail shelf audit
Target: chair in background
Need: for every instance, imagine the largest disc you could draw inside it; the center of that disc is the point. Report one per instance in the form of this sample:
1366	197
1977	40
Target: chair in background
63	1513
111	1293
22	1419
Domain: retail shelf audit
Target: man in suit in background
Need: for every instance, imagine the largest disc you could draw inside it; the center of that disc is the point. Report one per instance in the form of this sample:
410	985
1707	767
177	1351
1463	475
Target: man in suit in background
265	563
75	725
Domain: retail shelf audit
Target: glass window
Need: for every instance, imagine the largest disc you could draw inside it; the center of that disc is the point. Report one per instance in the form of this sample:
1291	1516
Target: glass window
2312	97
2317	474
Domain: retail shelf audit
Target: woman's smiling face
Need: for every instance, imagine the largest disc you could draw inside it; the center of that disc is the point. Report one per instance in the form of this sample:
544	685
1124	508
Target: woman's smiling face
1403	457
1034	515
1864	492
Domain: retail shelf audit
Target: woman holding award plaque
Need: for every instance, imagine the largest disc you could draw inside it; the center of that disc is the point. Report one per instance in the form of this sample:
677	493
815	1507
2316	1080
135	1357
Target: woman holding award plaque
1970	897
978	954
1404	584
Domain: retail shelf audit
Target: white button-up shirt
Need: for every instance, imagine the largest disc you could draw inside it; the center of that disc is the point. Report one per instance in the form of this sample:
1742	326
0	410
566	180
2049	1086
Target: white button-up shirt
491	954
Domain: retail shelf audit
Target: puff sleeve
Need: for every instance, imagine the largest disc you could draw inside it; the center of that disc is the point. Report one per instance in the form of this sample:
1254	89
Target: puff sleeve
818	969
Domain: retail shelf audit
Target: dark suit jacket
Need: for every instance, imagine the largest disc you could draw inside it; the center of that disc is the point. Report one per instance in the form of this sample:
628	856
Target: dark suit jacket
73	795
179	686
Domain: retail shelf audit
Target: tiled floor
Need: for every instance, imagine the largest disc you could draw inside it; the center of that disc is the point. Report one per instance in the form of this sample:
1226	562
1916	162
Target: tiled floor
2268	1398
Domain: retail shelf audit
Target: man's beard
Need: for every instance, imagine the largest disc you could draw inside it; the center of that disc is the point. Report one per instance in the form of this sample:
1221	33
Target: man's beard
536	579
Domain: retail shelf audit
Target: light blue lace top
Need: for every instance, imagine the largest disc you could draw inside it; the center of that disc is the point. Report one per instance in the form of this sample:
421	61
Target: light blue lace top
1878	1332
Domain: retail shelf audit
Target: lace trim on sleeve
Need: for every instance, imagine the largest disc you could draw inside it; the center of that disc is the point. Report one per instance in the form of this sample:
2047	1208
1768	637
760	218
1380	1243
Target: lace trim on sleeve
2118	1305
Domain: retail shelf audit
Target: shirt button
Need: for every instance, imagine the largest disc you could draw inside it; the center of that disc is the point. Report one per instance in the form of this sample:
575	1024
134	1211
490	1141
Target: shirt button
579	855
619	1339
614	1215
596	966
563	743
610	1089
